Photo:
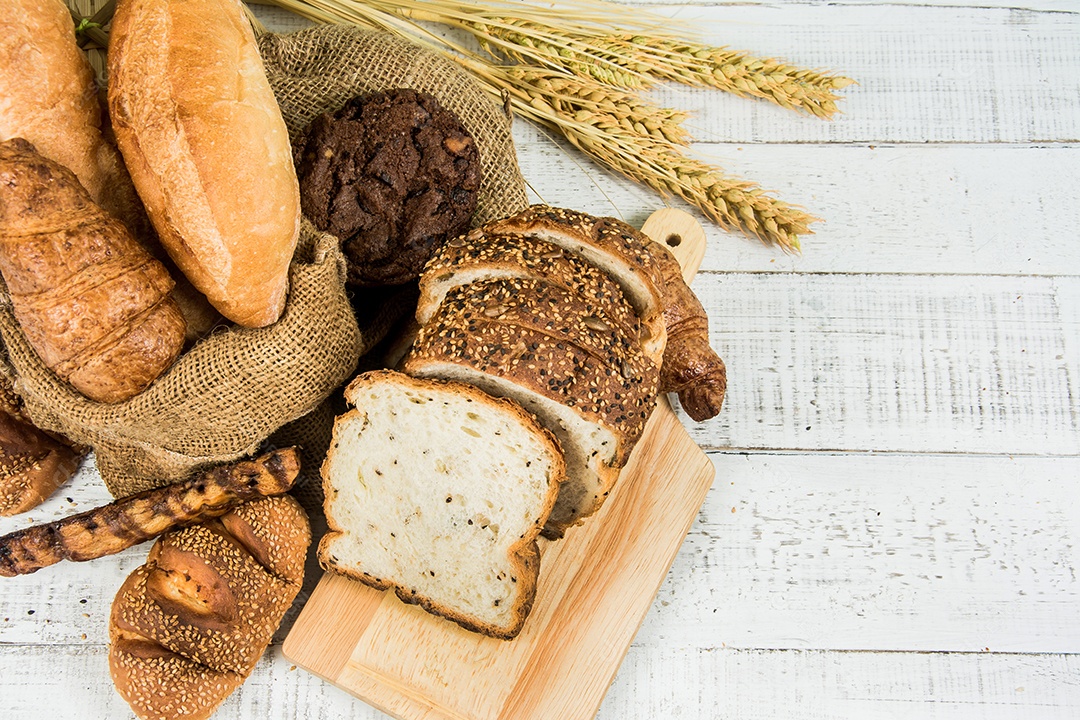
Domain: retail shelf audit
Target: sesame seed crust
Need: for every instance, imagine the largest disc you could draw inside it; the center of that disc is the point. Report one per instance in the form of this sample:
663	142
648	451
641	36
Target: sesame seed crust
188	627
494	256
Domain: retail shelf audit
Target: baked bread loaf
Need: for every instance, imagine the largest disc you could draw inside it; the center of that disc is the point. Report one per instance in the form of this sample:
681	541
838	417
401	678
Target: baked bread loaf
207	148
478	256
591	387
49	97
652	281
33	464
93	304
134	519
438	491
187	628
392	174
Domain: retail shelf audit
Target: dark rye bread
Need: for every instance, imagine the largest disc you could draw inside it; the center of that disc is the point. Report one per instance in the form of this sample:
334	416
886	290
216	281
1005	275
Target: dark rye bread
595	404
438	491
479	256
187	627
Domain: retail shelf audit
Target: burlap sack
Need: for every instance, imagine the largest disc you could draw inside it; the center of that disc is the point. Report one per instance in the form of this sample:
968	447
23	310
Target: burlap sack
229	393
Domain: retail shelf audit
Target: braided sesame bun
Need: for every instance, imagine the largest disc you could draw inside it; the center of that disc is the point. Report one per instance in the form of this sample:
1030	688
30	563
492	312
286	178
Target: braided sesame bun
187	627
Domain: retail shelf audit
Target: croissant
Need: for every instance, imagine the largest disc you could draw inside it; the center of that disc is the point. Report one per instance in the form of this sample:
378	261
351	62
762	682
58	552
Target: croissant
108	529
93	304
691	367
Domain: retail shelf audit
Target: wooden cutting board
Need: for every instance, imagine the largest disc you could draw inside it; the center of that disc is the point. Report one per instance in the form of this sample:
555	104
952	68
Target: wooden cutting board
596	584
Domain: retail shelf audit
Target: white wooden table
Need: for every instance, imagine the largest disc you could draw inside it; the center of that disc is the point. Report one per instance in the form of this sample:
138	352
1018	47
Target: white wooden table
894	530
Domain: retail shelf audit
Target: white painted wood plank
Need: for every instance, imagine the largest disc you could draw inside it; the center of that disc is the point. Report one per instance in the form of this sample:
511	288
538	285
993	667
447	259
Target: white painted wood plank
907	363
926	74
975	209
878	552
794	551
72	682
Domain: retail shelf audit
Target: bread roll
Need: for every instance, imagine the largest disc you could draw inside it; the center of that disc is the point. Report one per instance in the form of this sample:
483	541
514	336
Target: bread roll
48	96
187	627
206	145
93	303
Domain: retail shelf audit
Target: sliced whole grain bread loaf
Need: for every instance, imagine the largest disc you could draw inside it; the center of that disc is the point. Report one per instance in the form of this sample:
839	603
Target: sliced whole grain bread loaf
439	491
594	394
479	256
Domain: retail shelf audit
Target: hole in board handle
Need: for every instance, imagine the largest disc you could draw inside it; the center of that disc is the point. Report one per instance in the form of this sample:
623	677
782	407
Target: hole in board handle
674	240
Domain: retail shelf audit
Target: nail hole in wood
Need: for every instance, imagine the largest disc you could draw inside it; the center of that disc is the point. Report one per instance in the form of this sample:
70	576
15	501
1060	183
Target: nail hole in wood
674	240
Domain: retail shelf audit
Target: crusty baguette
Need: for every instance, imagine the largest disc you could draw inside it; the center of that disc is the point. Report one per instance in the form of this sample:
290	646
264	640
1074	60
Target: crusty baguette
48	96
122	523
206	145
93	303
187	628
595	399
479	256
438	491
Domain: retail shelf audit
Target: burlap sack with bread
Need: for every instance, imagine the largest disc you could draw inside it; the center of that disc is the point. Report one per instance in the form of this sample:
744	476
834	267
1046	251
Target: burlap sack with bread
225	313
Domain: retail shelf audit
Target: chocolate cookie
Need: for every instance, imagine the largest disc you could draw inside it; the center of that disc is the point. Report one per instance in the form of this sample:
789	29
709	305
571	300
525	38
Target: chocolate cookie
393	174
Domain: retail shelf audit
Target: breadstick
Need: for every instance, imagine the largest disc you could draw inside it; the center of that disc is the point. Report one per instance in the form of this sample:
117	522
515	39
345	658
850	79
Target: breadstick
129	521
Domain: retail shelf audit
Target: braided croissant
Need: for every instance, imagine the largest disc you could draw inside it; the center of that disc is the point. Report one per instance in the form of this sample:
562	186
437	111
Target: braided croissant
91	301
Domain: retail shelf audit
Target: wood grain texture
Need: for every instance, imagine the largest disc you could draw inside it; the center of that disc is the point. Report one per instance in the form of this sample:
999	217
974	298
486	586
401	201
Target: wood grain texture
896	363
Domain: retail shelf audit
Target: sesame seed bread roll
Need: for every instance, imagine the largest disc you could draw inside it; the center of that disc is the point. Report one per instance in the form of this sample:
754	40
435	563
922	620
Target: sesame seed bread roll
187	628
33	464
207	148
438	491
477	256
595	400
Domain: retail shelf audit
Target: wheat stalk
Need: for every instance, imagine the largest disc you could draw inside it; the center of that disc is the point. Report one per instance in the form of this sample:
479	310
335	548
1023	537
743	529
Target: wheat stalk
620	140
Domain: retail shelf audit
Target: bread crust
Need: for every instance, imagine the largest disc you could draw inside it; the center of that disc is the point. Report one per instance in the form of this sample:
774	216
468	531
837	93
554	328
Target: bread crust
489	256
92	302
49	97
187	627
209	152
128	521
524	554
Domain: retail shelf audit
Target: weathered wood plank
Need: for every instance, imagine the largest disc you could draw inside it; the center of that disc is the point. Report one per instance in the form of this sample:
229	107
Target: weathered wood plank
926	74
66	681
979	209
895	363
878	552
852	551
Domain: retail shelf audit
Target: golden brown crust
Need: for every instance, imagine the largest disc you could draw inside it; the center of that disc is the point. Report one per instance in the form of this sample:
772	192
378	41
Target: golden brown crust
691	367
33	464
187	627
208	150
109	529
51	99
91	301
481	255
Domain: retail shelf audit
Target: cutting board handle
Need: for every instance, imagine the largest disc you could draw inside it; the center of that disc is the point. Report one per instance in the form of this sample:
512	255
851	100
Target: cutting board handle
680	233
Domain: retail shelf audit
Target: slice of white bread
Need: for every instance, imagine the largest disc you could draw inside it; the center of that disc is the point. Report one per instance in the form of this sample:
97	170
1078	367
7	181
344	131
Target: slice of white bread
594	391
439	491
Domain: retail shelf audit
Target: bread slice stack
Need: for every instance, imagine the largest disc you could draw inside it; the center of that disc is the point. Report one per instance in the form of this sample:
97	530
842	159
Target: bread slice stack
562	316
